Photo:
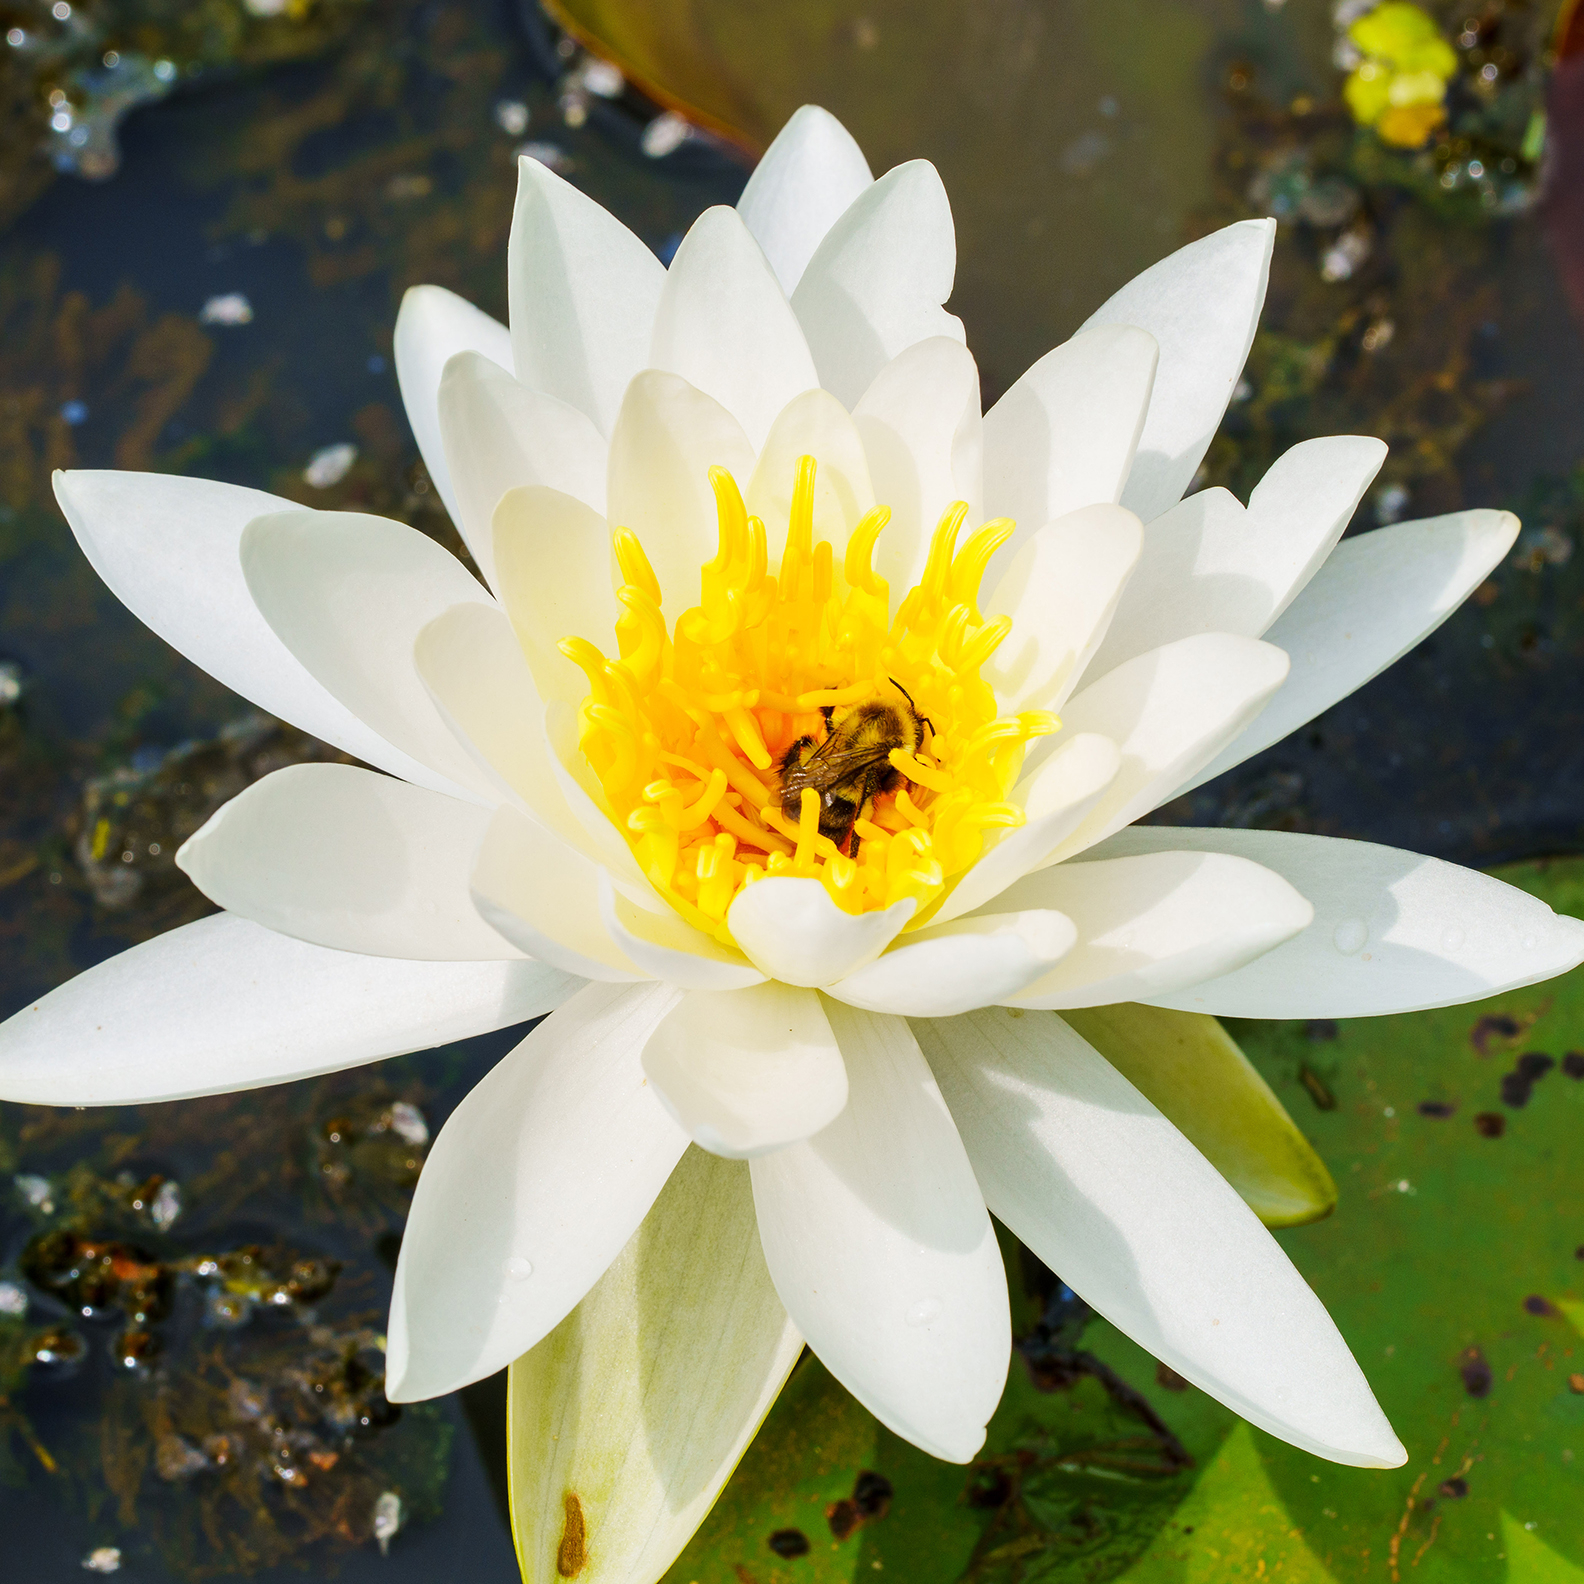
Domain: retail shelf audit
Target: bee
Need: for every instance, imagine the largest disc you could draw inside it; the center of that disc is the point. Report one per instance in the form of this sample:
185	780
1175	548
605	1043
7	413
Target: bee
853	764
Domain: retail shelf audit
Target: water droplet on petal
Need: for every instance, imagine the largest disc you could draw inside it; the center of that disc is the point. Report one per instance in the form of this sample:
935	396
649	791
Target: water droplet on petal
1452	938
1349	935
518	1268
925	1310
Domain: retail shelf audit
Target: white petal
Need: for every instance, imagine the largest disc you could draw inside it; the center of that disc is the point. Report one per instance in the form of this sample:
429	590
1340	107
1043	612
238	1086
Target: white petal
167	548
1105	1190
1210	566
951	968
583	293
876	1236
814	424
1148	926
1373	600
876	282
670	948
347	858
1055	797
225	1004
667	439
807	179
348	595
1060	591
499	435
640	1403
1168	710
542	895
724	324
1064	436
470	661
747	1071
1392	932
1202	305
530	1191
794	932
432	327
923	436
552	566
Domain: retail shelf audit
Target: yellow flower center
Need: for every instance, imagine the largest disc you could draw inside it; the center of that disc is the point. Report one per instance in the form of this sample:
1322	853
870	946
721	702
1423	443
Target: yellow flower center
791	725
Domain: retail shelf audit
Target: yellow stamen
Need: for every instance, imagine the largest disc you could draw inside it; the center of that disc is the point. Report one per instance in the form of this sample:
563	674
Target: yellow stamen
687	728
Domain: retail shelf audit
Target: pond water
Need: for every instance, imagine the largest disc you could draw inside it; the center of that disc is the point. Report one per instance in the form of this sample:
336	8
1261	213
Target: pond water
192	1294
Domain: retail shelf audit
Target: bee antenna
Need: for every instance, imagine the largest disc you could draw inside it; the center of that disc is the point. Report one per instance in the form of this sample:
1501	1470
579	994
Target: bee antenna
909	697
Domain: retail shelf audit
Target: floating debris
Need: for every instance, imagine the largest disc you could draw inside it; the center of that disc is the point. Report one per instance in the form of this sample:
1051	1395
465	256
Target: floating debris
1539	548
551	155
601	78
230	308
1399	83
103	1559
1345	255
327	467
35	1191
13	1300
665	135
388	1519
407	1122
10	683
1391	503
405	189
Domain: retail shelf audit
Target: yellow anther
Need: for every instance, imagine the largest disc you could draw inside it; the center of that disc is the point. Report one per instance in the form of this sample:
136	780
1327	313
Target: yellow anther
640	631
983	644
826	698
857	568
633	564
915	769
867	831
746	832
590	661
697	812
808	827
1039	723
910	810
968	568
745	729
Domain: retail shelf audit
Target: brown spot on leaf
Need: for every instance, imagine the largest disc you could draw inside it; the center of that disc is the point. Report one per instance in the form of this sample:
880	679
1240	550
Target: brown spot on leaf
572	1553
1494	1028
1476	1372
989	1488
1576	1384
1490	1124
1515	1090
789	1543
1454	1489
1316	1085
1436	1108
872	1495
1536	1305
842	1516
1573	1064
1535	1064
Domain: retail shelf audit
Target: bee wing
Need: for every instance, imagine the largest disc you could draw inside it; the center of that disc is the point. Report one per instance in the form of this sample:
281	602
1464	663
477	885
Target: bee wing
837	766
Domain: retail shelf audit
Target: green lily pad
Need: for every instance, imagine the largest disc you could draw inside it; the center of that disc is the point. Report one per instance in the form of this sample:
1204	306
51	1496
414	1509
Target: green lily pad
1449	1265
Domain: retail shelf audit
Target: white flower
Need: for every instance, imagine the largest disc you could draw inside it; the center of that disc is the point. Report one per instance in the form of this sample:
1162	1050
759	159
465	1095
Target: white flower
609	840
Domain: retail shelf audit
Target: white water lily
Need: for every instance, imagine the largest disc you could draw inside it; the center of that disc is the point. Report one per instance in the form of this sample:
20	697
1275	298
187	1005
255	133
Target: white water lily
864	1008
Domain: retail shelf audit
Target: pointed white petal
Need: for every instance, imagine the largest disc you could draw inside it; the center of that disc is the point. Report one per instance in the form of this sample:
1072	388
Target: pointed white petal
951	968
1373	600
1148	926
432	327
1055	797
1392	932
473	667
225	1004
348	594
499	436
668	947
724	324
1210	566
748	1071
1060	591
530	1191
1168	710
876	282
552	566
1202	305
1105	1190
667	439
1064	436
583	291
876	1236
167	548
923	437
542	895
639	1404
794	932
814	424
350	859
806	181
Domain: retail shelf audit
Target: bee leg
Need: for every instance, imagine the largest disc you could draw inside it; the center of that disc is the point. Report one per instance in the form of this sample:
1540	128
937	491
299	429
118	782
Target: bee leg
852	851
827	710
794	755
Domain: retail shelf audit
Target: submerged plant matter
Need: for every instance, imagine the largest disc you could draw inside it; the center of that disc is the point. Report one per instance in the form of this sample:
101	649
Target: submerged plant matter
873	1027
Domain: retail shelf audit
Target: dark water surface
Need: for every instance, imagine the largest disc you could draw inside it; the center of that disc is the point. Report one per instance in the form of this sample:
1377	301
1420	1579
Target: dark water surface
321	189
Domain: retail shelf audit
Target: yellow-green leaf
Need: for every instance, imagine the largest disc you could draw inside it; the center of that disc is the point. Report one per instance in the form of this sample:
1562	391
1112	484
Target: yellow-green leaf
625	1422
1191	1068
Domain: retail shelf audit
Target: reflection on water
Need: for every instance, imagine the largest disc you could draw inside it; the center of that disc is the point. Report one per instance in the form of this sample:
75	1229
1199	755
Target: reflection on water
191	1295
